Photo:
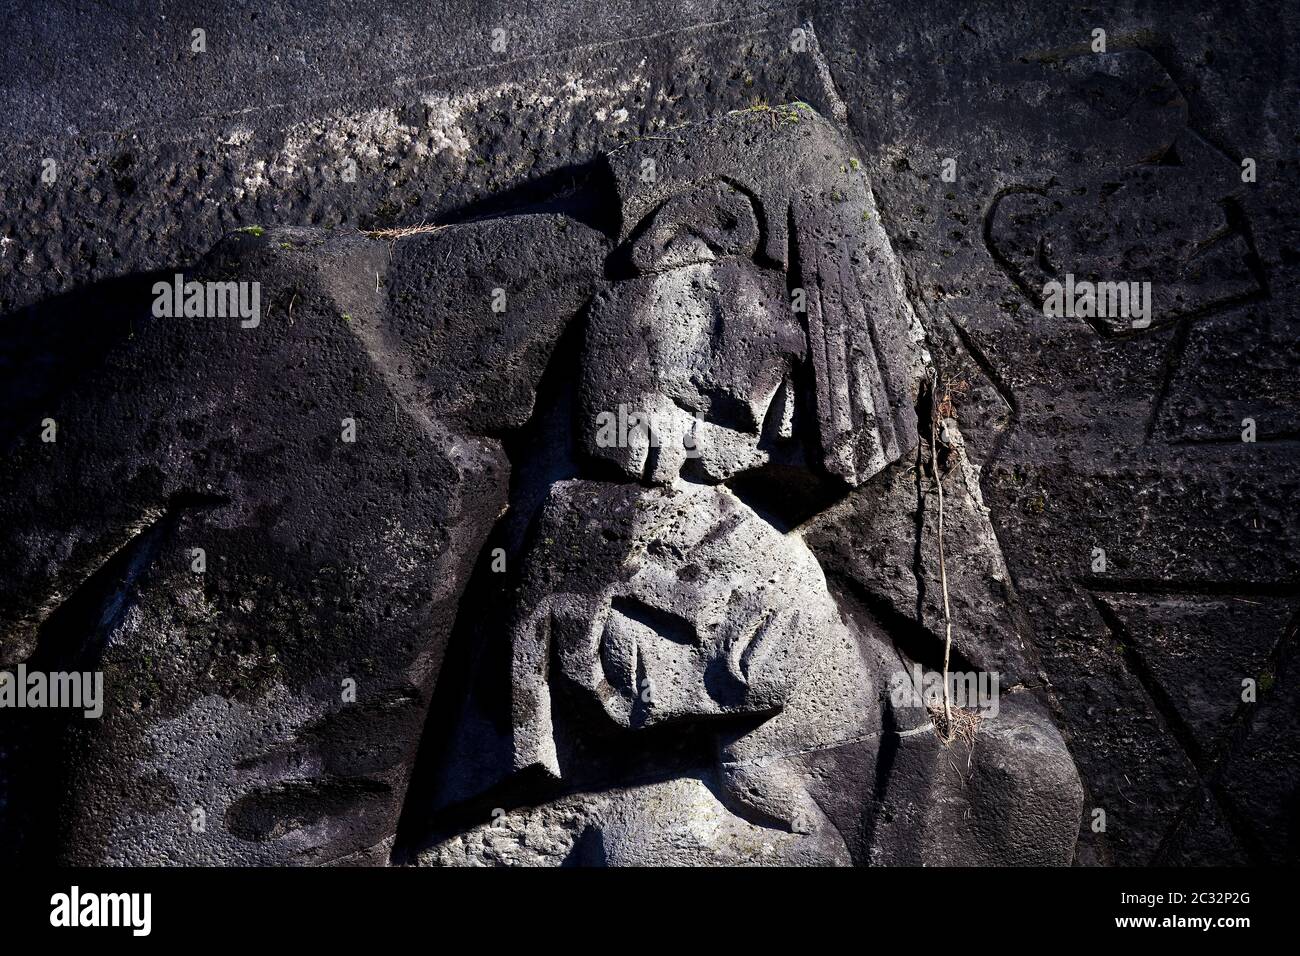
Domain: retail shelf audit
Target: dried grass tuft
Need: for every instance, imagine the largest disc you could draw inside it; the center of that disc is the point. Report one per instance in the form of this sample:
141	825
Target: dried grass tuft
401	232
955	724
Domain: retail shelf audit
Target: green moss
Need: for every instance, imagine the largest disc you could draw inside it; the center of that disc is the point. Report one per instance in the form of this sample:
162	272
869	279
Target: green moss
252	230
779	114
388	210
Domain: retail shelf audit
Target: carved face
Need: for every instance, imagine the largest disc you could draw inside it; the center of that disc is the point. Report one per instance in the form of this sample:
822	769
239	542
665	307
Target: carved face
714	613
704	346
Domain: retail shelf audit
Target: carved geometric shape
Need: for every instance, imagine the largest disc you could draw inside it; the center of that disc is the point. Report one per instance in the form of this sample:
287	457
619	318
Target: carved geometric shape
1199	649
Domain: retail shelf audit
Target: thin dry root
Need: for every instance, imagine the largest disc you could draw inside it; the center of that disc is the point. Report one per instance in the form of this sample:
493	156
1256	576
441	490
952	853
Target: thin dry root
955	724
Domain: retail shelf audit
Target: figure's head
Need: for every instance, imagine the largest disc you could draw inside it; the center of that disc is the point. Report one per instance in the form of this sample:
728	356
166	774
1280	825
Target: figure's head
702	342
679	605
753	259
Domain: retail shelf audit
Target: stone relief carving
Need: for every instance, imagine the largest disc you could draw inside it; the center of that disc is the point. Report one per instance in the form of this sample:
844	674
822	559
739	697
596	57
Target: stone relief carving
691	651
658	597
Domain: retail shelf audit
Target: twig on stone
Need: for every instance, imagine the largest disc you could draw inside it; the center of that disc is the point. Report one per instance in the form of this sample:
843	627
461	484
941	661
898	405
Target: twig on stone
943	570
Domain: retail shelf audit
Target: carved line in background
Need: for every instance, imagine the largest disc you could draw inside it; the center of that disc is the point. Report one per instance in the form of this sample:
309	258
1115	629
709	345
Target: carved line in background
1209	765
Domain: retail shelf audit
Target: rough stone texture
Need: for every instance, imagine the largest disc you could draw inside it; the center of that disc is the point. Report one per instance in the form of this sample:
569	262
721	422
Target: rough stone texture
1088	439
681	822
327	560
1075	434
1009	799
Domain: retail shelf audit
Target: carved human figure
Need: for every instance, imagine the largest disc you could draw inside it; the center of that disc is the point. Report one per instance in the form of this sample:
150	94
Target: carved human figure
759	336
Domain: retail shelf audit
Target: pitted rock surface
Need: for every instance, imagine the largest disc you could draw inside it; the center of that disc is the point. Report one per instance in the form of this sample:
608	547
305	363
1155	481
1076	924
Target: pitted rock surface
631	554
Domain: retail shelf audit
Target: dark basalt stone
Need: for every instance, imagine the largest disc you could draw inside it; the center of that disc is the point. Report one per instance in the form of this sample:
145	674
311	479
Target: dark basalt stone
592	516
